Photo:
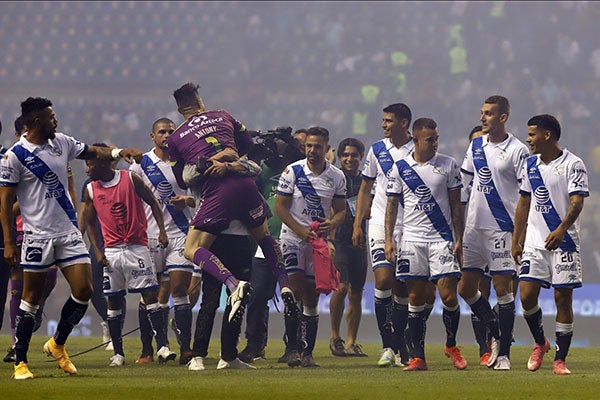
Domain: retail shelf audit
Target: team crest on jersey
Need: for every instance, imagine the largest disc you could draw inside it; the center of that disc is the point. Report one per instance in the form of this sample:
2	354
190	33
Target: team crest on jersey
502	155
437	170
55	151
559	170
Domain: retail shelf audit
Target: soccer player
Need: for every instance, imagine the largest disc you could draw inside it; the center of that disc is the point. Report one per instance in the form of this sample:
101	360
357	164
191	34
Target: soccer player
115	198
309	190
349	260
211	135
35	170
429	185
494	163
391	311
173	270
554	185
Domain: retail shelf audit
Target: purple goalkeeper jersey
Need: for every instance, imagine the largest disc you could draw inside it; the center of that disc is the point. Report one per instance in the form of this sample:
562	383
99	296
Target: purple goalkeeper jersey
203	135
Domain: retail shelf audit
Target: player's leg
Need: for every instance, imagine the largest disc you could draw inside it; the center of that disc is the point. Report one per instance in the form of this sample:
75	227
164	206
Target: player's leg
309	321
447	288
563	297
357	277
336	311
506	310
417	291
532	312
33	285
293	340
209	303
479	328
180	282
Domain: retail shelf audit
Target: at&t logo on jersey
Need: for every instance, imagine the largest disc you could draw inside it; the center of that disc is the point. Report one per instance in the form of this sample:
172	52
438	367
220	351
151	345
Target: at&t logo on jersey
313	202
52	183
485	176
423	193
164	190
542	196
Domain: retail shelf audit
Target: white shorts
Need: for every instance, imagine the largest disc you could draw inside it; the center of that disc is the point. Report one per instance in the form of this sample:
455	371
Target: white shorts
426	260
297	257
551	268
376	235
129	269
38	255
487	248
170	258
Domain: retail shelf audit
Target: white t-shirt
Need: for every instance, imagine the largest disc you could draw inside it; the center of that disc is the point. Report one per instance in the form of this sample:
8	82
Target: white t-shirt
550	200
424	192
380	158
312	195
158	176
495	182
40	176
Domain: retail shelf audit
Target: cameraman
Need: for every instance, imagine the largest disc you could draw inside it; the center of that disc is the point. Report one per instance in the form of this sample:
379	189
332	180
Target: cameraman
274	150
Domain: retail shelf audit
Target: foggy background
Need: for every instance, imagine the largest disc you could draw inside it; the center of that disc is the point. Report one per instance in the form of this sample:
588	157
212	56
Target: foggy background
110	69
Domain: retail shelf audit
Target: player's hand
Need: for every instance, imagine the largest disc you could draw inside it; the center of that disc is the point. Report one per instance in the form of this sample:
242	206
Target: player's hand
458	253
130	155
179	202
216	169
358	237
390	251
306	234
517	251
101	258
554	239
324	225
11	255
163	240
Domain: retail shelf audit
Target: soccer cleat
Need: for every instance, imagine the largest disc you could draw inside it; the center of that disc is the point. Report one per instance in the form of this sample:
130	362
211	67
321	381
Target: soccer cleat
284	358
290	309
109	346
309	362
537	355
250	354
60	354
454	354
483	360
238	300
22	371
416	364
355	350
502	363
165	354
399	362
560	368
10	356
294	359
234	364
117	361
185	357
337	347
494	350
387	358
144	359
196	364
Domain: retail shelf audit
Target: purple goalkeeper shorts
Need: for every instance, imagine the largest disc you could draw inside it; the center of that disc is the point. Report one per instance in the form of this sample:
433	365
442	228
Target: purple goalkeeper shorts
228	199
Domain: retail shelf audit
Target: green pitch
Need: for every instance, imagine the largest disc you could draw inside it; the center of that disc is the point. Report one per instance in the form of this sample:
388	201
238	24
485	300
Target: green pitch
337	378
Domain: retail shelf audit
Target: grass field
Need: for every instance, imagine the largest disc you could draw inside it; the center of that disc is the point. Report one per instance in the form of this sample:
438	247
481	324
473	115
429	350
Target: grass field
338	378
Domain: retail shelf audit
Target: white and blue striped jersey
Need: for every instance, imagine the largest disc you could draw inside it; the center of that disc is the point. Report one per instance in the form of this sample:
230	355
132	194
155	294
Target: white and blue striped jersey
378	163
495	171
40	176
312	195
158	176
550	186
424	196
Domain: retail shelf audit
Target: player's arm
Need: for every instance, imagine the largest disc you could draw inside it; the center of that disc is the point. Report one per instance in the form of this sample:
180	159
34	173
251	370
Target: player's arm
555	238
227	154
363	211
107	154
71	188
521	214
242	166
8	195
338	204
180	202
391	215
282	209
146	194
89	217
457	212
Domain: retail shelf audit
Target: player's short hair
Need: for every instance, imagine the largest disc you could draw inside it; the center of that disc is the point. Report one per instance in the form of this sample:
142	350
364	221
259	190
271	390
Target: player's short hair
318	131
351	142
476	129
19	125
301	130
423	123
400	111
547	122
186	95
31	106
501	102
163	120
